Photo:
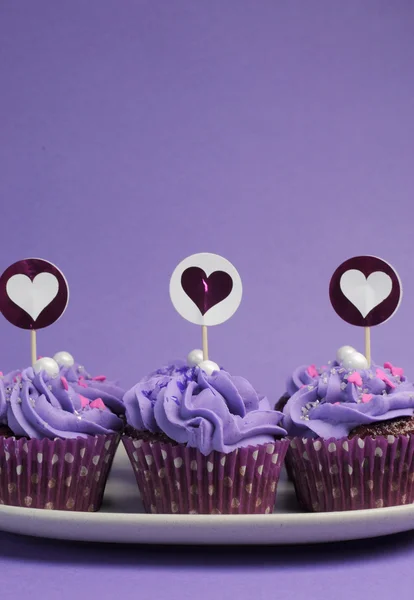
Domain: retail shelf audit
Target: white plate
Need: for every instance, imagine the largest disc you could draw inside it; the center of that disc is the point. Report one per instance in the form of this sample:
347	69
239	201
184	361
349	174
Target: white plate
122	520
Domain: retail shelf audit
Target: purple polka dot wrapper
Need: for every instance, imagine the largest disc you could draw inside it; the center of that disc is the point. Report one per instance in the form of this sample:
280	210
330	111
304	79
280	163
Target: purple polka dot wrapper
175	479
56	474
352	474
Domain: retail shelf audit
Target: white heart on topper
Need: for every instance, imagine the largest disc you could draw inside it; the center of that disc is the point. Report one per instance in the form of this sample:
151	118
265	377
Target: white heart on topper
32	296
365	293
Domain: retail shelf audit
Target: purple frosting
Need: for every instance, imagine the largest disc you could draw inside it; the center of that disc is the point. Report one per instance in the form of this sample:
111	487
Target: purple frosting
332	406
95	387
303	375
38	406
209	412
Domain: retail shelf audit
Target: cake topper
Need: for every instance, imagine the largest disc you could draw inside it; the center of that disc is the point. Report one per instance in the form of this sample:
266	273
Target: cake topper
205	289
365	291
33	294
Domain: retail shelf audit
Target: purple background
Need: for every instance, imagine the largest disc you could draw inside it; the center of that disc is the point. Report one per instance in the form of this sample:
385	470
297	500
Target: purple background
278	134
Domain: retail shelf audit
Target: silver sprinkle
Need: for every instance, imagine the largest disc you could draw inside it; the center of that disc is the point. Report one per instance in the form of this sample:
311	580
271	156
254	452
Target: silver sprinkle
19	400
32	402
343	385
49	387
309	405
311	387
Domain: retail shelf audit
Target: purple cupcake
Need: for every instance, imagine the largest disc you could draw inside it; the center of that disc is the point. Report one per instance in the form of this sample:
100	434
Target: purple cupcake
203	443
352	441
56	445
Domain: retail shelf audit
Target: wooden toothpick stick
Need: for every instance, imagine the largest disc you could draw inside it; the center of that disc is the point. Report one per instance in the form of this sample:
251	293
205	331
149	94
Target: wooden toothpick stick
368	345
205	342
33	345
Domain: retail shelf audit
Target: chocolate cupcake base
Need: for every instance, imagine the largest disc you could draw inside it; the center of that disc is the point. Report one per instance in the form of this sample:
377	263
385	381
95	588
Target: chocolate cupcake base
56	474
352	474
173	478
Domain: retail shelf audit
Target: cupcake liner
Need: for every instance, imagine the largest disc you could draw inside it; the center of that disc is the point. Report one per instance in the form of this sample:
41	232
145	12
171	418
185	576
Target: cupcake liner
56	474
352	474
173	478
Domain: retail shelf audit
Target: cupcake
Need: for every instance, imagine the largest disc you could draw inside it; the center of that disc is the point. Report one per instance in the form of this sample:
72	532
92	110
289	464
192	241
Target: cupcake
56	446
352	443
203	443
95	388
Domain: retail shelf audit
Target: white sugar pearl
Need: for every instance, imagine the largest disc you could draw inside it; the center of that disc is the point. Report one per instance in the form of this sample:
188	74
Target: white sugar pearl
355	361
49	365
195	357
64	359
209	366
343	352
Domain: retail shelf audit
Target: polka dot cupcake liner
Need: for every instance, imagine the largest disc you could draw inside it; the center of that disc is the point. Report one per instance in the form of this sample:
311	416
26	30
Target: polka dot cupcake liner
56	474
352	474
177	479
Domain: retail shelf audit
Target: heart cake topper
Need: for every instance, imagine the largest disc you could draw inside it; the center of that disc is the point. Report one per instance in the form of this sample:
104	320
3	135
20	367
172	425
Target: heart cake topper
365	291
206	290
33	294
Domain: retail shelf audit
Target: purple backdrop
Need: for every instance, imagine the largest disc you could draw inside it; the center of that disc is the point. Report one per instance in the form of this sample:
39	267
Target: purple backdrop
278	134
136	133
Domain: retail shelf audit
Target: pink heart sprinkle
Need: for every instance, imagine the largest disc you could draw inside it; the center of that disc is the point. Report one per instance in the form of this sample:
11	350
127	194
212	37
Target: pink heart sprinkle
84	401
64	382
81	384
98	403
366	398
381	375
99	378
335	403
1	373
312	371
396	371
355	378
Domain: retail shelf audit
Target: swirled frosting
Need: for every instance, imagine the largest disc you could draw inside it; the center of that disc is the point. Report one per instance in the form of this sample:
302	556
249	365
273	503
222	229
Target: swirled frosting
95	387
338	400
301	376
209	412
38	406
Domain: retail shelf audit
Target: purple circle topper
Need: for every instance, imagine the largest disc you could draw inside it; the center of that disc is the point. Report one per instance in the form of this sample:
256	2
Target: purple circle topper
33	293
365	291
